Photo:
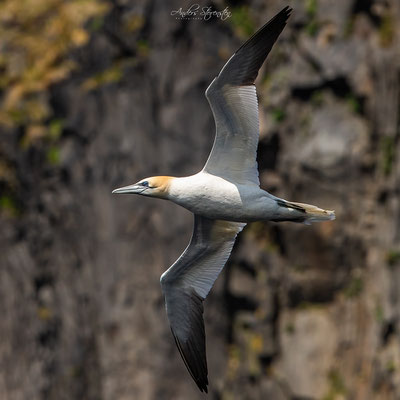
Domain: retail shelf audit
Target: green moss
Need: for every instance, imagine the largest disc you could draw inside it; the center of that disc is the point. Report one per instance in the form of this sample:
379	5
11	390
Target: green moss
9	206
387	30
353	103
134	23
336	381
336	385
266	79
96	23
392	257
53	155
317	98
311	8
44	313
242	21
234	361
35	52
56	126
110	75
290	328
312	28
305	121
388	154
6	202
349	27
278	115
391	366
143	47
17	115
355	287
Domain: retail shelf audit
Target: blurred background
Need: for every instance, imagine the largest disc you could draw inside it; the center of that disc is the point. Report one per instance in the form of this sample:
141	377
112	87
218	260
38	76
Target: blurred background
96	95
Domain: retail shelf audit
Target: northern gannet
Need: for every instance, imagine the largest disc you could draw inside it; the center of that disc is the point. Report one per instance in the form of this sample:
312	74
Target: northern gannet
223	196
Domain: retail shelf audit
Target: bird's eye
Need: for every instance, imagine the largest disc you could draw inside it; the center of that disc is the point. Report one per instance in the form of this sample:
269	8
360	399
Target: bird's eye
145	183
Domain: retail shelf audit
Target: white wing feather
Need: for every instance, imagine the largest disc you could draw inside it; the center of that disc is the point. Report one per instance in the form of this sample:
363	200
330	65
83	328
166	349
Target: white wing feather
234	153
233	100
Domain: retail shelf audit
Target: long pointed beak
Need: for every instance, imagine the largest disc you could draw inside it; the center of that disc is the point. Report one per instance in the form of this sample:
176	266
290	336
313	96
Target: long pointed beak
131	189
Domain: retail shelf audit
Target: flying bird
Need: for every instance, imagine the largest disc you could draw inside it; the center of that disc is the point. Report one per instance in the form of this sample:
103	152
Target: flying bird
223	196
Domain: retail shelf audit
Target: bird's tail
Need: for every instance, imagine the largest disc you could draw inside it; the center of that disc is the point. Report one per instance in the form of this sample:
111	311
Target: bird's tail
306	213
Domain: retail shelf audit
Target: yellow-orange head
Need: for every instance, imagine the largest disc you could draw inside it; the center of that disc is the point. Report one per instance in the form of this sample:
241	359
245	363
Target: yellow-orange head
155	186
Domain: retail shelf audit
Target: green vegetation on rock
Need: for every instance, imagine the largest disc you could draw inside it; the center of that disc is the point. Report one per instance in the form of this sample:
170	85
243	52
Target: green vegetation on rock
35	40
392	257
311	8
8	205
387	30
242	21
354	288
336	385
278	115
388	154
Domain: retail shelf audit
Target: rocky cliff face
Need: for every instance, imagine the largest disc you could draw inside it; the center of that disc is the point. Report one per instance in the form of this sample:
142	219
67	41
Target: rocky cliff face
300	312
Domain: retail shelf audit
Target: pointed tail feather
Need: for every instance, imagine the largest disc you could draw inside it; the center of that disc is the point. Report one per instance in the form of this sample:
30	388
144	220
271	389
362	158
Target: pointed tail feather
305	213
313	213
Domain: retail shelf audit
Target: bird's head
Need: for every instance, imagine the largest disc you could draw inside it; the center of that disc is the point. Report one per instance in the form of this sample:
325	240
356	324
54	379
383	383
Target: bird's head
155	186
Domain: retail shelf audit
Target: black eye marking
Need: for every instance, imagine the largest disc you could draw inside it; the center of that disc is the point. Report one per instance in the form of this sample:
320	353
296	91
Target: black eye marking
145	183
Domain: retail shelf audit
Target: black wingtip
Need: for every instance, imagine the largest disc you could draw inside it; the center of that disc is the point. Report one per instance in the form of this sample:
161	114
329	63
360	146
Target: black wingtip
287	10
242	69
197	371
202	386
278	22
285	13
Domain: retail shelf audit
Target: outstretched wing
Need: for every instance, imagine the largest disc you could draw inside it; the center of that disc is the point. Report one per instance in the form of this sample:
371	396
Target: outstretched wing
233	100
186	284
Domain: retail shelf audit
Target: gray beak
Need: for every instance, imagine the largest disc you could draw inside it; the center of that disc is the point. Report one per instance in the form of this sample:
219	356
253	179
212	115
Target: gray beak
131	189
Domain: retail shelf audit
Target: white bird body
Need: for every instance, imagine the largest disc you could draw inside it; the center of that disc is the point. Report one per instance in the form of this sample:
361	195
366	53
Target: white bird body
223	197
214	197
